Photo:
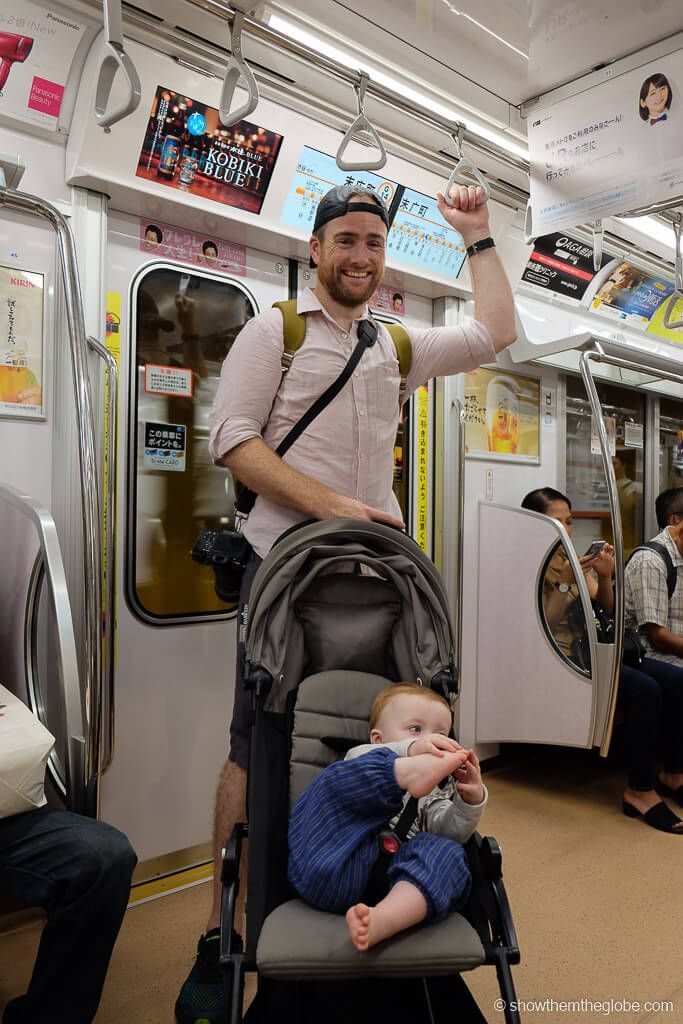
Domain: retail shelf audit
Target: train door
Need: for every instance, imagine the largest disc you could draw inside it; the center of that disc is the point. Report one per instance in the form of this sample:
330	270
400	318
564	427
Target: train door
180	302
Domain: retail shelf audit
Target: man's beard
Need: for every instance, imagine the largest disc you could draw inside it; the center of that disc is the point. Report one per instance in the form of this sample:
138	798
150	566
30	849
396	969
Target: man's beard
333	283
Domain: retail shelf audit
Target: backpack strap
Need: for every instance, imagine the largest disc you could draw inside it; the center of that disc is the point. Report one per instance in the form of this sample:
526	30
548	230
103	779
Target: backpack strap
404	354
662	551
294	332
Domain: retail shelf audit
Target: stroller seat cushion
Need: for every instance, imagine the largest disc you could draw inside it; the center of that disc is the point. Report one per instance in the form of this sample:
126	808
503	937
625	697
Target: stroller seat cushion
298	941
334	705
348	622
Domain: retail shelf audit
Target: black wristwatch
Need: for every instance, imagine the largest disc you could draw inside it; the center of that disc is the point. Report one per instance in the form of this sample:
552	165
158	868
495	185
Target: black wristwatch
485	243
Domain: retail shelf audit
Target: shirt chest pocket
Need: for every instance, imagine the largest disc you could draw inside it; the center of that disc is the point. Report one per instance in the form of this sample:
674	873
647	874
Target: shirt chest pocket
383	384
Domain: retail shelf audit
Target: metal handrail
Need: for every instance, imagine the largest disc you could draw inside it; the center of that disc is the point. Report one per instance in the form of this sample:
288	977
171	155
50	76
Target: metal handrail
599	355
677	294
237	68
116	58
361	127
109	554
613	494
92	544
67	660
464	166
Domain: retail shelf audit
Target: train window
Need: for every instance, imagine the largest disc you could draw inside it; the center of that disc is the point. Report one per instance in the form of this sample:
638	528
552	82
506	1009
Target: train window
184	325
586	486
562	613
670	444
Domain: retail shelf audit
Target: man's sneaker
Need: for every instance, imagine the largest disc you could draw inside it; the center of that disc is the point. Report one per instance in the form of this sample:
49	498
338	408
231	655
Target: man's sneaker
206	996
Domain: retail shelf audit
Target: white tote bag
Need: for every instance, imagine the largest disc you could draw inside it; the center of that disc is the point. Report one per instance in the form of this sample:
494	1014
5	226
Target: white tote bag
25	745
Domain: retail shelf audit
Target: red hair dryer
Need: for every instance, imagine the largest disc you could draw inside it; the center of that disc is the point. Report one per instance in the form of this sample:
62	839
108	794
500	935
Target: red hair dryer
12	48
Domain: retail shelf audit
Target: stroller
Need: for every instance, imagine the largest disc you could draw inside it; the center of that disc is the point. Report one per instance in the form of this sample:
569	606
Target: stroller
339	610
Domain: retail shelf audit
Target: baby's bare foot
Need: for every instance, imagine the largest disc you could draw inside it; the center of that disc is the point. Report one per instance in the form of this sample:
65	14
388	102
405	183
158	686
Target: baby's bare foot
420	774
358	921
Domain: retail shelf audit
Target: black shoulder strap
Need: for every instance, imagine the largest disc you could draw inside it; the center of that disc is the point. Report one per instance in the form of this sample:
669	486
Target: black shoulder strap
367	335
407	819
662	551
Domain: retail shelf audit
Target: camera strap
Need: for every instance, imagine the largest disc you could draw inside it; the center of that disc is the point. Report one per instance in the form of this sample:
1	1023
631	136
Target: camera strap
367	336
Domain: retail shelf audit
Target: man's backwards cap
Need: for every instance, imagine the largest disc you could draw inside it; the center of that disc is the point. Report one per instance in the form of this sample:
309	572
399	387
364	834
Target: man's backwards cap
339	200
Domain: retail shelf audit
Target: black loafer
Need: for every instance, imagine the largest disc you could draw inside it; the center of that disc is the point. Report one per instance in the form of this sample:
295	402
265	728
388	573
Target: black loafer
664	790
660	817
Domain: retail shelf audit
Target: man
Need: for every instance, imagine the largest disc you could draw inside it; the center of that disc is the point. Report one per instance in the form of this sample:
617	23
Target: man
648	607
342	467
654	691
79	871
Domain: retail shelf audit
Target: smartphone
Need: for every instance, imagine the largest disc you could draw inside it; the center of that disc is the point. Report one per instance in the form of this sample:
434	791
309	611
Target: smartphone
596	545
184	282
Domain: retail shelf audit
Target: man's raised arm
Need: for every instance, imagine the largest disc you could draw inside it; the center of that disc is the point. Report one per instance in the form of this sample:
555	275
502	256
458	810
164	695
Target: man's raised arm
493	302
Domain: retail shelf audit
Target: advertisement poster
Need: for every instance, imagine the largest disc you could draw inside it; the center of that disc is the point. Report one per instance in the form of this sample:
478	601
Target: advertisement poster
560	264
166	240
609	149
38	47
187	148
21	343
165	447
388	300
656	325
502	416
418	236
630	295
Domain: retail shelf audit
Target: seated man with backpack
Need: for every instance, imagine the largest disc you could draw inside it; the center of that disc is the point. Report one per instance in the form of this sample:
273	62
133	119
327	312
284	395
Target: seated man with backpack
651	687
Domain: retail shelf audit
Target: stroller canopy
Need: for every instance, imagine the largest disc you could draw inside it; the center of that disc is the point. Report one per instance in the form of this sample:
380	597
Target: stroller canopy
352	594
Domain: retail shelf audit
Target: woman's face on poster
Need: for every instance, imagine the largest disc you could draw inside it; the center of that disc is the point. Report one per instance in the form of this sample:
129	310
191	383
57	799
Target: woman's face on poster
656	100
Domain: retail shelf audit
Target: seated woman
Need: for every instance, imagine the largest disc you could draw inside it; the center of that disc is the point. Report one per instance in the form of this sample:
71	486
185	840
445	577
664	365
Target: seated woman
643	691
560	590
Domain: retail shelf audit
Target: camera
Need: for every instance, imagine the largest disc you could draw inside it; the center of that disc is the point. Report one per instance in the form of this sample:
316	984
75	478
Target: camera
227	552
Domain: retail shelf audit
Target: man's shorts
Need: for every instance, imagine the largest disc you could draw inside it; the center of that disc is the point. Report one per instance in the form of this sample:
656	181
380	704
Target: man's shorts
242	713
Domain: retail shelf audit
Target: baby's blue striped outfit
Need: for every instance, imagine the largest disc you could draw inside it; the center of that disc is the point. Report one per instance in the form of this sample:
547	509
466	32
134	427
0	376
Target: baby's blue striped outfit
333	842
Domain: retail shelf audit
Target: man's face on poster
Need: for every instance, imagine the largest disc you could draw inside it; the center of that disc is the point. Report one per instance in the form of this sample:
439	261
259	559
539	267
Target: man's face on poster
152	239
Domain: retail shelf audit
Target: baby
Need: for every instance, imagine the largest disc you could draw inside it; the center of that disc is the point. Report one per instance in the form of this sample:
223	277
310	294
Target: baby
335	824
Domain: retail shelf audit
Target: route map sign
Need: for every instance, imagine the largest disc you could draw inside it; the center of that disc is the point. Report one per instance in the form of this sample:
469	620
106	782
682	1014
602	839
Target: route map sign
419	235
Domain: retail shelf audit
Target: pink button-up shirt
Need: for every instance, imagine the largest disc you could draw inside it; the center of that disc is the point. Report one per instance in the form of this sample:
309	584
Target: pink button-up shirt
349	447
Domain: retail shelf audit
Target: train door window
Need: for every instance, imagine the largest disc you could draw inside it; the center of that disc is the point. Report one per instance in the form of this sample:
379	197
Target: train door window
624	412
561	611
184	325
670	444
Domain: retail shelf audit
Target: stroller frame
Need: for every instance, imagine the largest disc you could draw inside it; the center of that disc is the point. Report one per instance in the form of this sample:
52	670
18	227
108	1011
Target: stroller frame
488	910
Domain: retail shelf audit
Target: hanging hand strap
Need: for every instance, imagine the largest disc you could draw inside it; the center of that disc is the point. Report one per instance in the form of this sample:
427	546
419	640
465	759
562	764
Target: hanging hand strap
367	335
464	166
237	69
362	131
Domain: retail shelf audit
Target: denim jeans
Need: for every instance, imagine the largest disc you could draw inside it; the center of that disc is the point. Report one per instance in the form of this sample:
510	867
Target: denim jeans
652	698
79	871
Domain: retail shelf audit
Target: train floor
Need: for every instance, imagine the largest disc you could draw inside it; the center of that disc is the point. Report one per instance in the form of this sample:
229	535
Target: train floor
596	899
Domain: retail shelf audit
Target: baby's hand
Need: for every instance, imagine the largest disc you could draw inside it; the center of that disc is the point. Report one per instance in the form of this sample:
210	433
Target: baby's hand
433	743
468	780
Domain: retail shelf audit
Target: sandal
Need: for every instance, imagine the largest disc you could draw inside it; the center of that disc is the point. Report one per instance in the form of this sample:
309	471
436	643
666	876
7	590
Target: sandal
664	790
660	817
